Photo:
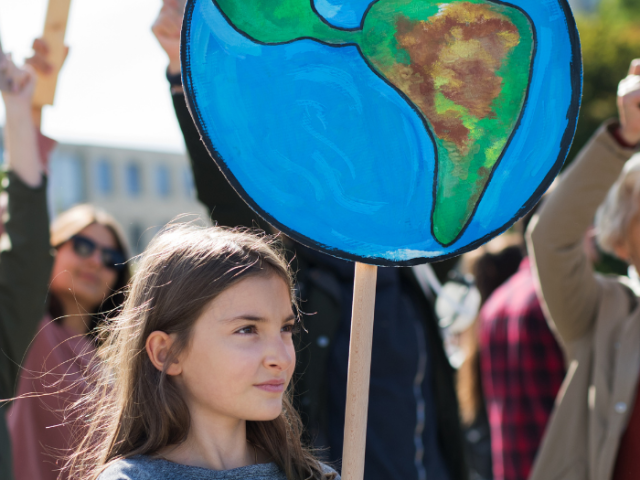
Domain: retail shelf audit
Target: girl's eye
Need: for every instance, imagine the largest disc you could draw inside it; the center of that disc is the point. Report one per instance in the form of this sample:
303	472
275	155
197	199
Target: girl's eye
247	330
291	328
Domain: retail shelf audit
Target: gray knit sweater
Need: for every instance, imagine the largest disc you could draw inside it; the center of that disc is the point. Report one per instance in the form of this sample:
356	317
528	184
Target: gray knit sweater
147	468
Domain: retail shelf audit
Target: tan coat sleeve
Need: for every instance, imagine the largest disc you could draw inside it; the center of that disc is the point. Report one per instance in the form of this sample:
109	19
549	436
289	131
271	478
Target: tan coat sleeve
566	278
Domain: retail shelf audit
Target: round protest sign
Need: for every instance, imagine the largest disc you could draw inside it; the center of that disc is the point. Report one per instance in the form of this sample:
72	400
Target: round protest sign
390	132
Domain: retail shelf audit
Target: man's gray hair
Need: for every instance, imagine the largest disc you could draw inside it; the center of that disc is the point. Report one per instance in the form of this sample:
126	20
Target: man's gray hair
619	207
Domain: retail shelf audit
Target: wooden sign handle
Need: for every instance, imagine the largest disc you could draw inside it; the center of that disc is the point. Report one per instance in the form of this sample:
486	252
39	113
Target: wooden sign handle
55	27
355	427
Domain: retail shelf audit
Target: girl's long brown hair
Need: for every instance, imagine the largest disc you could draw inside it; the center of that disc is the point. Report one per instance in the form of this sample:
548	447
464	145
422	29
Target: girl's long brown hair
134	409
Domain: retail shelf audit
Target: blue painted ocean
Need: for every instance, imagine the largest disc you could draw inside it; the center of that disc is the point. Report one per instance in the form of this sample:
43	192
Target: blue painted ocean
347	14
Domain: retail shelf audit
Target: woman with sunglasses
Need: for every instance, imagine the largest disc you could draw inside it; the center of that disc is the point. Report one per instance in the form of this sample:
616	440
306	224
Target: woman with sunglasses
89	270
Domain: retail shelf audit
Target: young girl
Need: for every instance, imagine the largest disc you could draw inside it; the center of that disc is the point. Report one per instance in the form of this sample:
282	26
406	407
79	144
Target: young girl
194	373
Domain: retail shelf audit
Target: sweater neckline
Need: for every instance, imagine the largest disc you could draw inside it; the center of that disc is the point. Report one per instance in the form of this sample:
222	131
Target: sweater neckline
263	468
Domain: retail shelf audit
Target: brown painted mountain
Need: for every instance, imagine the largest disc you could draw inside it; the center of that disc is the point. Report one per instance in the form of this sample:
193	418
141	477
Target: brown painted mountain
465	65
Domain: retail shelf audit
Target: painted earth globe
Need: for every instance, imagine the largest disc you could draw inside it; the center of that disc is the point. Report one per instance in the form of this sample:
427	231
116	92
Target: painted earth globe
390	132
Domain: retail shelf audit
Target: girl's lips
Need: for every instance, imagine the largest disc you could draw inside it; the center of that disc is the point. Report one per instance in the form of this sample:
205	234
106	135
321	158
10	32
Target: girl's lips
272	387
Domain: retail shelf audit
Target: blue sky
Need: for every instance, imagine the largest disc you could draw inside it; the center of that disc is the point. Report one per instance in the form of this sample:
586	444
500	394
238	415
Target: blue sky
112	90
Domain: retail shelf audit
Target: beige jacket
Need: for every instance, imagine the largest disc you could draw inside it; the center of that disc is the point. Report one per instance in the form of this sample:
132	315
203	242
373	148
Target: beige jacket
595	317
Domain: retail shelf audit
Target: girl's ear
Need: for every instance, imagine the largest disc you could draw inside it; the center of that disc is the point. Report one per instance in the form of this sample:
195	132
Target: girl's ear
158	346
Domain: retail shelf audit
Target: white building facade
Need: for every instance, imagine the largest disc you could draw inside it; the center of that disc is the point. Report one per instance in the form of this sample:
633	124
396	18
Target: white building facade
143	190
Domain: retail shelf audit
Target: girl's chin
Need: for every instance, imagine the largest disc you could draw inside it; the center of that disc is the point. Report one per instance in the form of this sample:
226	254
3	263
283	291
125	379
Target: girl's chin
265	415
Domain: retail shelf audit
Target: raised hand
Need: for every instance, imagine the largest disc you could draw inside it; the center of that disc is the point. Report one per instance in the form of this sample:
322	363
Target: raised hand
166	28
23	83
40	61
629	105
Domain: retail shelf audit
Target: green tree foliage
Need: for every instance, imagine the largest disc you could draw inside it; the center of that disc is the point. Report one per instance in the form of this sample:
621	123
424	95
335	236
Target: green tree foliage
610	40
623	7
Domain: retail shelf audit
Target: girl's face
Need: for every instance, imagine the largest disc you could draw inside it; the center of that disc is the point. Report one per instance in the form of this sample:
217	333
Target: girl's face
84	279
241	355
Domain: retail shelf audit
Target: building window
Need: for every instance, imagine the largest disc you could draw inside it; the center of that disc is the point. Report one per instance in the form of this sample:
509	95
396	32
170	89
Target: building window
189	187
133	179
66	181
163	181
104	176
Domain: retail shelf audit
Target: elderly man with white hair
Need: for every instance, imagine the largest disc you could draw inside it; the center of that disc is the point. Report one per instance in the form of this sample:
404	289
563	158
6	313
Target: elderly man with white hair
594	433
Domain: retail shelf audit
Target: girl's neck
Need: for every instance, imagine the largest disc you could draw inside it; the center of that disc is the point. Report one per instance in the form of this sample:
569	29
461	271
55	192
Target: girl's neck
216	445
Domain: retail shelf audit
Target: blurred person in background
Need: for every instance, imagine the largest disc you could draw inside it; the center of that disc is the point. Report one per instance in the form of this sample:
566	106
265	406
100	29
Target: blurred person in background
522	368
410	374
25	252
595	429
88	272
489	266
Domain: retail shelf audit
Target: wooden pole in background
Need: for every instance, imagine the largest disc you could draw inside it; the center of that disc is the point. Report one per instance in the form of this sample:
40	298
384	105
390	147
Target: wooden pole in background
55	27
355	427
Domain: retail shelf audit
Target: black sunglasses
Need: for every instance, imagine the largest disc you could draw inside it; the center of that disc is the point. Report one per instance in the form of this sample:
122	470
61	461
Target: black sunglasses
85	247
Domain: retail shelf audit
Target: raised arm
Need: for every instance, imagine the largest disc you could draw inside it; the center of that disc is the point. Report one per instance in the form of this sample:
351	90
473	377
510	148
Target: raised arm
25	252
569	285
224	204
20	134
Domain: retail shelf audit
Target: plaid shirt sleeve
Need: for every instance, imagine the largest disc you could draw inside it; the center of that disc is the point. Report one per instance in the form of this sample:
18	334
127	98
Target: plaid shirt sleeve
522	369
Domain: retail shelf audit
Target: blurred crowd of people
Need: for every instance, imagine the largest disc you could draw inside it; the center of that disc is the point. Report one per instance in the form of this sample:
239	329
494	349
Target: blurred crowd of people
547	350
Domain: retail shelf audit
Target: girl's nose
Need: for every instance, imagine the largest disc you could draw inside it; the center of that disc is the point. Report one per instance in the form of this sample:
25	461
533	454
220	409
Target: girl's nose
281	355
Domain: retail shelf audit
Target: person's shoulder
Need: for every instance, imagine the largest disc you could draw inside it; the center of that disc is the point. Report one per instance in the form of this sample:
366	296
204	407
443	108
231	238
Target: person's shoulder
327	470
136	468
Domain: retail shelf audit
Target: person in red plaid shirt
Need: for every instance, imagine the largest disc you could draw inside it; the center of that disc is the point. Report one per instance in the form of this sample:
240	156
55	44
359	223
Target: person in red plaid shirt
522	369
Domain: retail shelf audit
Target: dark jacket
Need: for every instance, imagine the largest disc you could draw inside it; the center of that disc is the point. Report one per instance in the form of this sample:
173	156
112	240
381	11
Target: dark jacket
25	271
326	288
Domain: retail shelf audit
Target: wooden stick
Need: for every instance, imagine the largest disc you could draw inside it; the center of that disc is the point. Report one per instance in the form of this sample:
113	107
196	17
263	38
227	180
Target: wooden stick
355	428
55	27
